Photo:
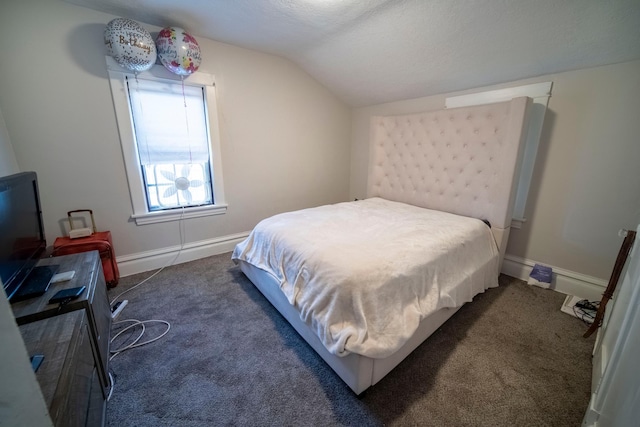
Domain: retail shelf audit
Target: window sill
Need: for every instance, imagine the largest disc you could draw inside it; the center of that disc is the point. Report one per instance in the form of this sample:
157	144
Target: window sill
178	214
518	222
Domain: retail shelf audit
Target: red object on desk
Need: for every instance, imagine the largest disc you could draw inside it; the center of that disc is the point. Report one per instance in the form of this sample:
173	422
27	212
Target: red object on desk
98	241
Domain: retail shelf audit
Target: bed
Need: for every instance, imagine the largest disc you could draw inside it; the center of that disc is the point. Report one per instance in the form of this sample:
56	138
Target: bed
366	282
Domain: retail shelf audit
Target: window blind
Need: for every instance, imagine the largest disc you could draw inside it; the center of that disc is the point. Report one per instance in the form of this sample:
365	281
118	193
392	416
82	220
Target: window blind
169	122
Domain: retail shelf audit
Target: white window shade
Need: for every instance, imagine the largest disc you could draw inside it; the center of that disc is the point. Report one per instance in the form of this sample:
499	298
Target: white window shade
170	124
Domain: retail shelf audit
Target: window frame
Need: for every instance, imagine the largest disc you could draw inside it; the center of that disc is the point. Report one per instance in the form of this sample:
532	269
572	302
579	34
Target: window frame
141	214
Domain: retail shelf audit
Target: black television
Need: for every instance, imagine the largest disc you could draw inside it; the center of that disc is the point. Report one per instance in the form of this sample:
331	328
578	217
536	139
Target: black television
22	238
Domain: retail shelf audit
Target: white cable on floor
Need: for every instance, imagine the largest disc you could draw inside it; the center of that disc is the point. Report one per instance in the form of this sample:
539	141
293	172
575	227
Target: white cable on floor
135	343
112	381
141	323
180	228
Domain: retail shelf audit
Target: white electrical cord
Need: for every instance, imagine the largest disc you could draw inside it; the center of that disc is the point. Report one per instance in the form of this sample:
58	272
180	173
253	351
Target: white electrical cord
112	382
134	322
135	343
180	227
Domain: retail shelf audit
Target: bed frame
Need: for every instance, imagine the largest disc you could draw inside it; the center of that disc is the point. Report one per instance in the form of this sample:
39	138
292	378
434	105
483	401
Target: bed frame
463	161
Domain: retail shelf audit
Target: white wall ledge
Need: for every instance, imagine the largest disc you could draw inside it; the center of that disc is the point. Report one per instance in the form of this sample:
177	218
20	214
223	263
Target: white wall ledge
178	254
178	214
564	281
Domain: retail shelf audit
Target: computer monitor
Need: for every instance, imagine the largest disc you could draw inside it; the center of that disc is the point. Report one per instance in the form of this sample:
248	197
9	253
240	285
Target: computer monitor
22	238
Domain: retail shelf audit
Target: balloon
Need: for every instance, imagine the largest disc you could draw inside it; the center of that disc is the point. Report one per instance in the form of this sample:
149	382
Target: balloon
178	51
130	44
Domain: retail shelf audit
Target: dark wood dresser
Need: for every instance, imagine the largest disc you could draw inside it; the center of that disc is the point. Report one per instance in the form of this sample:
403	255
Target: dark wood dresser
74	340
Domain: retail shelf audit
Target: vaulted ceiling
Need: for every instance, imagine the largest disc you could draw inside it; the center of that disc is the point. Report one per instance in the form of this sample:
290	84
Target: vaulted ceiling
374	51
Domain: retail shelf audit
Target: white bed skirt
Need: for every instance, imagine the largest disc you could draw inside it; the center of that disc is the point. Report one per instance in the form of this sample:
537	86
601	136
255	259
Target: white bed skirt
358	372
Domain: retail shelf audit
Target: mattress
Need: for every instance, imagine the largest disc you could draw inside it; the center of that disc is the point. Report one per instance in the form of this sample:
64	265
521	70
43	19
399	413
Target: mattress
364	274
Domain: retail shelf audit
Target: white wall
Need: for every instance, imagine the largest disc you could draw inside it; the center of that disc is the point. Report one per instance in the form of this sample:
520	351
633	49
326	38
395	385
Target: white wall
21	402
8	164
285	138
586	182
615	386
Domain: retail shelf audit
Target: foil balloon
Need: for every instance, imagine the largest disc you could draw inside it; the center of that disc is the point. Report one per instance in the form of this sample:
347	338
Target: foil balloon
130	44
178	51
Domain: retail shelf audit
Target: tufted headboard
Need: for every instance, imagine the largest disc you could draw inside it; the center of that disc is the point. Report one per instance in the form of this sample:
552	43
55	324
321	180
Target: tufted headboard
460	160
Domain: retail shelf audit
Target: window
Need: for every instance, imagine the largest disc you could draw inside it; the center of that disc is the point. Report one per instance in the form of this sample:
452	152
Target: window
170	125
170	141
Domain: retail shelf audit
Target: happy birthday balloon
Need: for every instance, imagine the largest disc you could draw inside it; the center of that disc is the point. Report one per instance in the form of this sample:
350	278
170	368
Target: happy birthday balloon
130	44
178	51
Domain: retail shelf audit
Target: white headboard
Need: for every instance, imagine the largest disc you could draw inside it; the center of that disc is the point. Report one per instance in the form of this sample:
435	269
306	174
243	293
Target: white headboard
461	160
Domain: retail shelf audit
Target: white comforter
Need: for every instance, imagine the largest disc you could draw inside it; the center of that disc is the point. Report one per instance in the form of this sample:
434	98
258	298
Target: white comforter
364	274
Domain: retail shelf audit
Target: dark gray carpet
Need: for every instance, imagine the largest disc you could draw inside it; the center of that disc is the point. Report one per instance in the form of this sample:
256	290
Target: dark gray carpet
508	358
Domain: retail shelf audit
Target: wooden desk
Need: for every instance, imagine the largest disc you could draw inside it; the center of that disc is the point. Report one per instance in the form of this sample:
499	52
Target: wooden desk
69	374
63	333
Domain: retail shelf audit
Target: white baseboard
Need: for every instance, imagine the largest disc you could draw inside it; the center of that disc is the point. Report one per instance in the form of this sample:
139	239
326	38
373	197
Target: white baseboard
565	281
151	260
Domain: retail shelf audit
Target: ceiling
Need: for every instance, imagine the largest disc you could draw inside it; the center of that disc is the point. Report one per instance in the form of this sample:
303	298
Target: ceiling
375	51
